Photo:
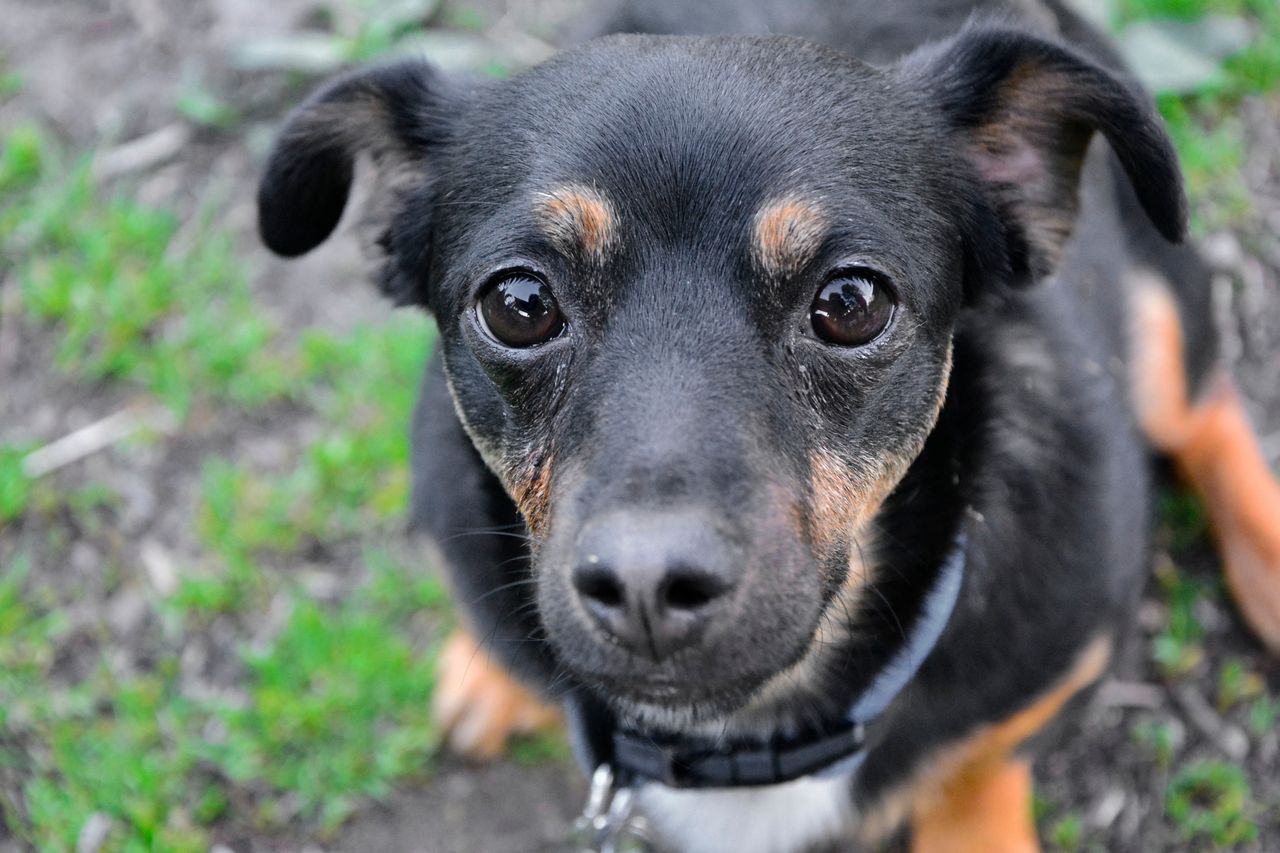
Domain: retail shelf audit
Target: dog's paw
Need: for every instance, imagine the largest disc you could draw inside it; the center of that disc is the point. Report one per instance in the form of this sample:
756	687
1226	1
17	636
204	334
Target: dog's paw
479	706
1251	553
1242	494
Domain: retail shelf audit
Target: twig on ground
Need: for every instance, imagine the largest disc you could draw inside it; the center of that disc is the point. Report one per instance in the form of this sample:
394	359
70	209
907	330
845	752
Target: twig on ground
142	153
1230	739
98	435
1131	694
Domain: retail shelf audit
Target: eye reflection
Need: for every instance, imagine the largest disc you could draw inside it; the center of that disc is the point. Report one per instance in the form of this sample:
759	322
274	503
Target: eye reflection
520	311
852	308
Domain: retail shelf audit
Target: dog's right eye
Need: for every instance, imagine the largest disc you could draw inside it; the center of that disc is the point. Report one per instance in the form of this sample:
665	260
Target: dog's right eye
853	307
518	310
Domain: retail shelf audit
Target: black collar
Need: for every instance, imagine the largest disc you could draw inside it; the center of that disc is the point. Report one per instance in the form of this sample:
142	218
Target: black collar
679	761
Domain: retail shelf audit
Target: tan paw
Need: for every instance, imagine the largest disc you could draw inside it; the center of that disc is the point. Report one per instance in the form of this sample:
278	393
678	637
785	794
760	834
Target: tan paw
985	813
1242	495
479	706
1250	541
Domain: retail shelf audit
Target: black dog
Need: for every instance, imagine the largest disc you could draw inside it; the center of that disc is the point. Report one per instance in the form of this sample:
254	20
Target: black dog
823	391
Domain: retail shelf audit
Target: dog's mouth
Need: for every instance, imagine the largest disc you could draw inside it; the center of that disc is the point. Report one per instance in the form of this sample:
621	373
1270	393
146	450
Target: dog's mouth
733	667
671	703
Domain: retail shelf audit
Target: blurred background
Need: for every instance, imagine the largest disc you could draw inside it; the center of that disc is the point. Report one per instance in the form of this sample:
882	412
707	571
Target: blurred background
214	634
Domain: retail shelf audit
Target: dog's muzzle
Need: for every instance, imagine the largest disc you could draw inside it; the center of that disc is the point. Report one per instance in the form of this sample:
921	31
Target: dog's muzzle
622	759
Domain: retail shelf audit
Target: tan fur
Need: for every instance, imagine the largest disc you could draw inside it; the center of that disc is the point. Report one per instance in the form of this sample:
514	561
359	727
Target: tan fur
788	232
578	220
1214	446
532	494
841	497
975	772
478	706
1034	156
848	492
989	814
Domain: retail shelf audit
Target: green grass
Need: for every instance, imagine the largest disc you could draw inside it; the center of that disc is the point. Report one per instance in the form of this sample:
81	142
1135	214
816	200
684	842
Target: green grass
337	710
1067	833
1178	648
339	707
15	486
1210	801
332	709
1159	739
1238	684
131	296
1205	124
352	478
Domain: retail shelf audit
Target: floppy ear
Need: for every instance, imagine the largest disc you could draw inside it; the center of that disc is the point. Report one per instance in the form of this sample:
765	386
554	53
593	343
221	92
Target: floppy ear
1024	111
396	114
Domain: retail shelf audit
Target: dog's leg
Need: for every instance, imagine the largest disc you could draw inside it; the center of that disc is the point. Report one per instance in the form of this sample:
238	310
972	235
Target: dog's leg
979	811
476	536
976	795
1215	448
479	706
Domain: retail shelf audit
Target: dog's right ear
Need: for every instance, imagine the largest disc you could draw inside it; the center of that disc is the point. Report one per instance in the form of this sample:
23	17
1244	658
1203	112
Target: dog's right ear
398	115
1022	111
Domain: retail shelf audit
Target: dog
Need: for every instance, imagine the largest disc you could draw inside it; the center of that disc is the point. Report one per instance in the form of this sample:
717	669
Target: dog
791	422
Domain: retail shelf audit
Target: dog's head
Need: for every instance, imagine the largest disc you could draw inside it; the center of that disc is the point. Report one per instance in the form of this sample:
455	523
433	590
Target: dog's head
697	297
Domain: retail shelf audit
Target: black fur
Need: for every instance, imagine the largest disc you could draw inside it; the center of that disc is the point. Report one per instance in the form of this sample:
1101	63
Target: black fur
690	378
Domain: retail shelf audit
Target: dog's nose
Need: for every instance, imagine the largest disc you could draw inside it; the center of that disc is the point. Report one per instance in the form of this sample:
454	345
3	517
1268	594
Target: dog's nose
653	580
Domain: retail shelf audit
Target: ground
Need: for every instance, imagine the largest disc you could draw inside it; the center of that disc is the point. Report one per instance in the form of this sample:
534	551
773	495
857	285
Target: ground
214	632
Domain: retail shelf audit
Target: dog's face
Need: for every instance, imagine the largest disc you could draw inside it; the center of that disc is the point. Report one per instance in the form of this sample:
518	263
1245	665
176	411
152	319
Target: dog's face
696	300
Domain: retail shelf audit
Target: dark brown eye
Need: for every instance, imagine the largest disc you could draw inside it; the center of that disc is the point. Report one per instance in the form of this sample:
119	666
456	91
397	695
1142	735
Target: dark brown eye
852	308
519	310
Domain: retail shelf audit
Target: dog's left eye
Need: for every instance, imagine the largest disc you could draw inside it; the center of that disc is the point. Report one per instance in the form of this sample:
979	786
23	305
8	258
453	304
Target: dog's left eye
853	307
519	310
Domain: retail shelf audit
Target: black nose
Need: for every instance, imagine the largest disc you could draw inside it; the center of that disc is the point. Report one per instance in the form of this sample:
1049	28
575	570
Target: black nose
653	580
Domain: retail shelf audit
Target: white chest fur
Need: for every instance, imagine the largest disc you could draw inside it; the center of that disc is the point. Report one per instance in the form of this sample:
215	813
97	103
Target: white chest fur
774	819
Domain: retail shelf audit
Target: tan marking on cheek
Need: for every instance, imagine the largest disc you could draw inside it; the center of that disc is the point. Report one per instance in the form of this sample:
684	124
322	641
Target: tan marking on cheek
960	771
578	220
532	494
848	493
839	494
788	233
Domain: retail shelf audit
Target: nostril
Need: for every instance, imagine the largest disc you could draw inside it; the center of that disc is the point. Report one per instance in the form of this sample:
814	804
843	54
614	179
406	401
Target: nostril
687	589
599	585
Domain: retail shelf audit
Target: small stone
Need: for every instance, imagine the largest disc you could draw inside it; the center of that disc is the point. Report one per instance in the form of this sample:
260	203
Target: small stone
1222	251
160	566
94	833
1108	808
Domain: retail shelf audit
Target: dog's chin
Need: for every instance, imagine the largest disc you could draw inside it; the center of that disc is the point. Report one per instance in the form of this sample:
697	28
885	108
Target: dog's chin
682	717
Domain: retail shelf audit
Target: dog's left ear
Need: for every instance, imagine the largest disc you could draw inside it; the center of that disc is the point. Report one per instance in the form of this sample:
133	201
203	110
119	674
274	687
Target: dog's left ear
400	116
1024	111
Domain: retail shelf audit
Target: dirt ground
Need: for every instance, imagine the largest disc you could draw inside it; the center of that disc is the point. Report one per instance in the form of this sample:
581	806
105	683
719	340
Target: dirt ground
111	69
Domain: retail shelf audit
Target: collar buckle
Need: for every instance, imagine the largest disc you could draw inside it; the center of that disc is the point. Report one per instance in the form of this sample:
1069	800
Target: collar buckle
609	823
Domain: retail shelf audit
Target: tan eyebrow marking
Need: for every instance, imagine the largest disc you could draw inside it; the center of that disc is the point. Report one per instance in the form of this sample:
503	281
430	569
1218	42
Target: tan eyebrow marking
788	232
578	219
